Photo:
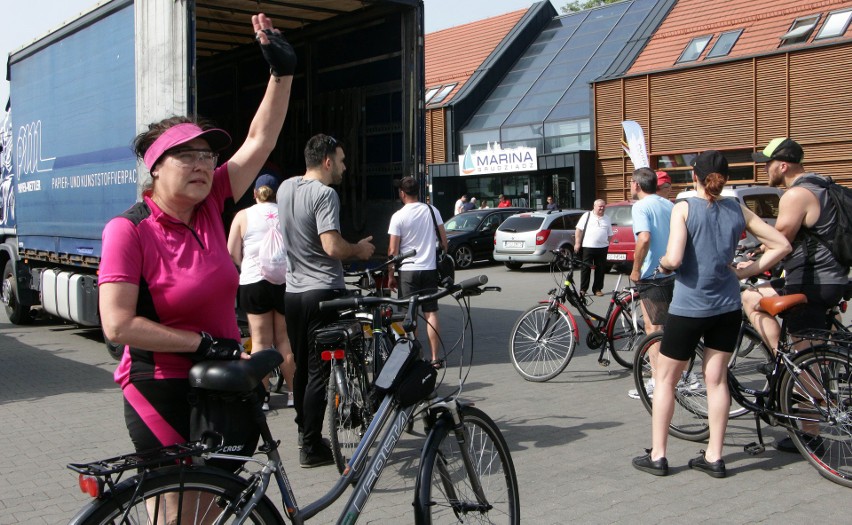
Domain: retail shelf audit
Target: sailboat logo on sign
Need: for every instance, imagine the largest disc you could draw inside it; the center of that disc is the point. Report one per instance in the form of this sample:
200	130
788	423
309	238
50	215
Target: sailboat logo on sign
495	159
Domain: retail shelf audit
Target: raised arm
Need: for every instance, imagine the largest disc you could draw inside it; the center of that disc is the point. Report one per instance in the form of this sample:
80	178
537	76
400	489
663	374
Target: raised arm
266	125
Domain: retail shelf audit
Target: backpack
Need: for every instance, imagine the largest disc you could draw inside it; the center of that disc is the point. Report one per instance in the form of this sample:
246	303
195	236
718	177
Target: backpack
841	245
272	256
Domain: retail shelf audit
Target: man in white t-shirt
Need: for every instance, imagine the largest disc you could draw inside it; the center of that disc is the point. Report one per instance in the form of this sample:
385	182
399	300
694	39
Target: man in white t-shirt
593	234
458	207
412	228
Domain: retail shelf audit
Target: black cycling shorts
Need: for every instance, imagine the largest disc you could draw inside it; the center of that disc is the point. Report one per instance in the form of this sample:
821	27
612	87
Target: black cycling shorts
157	412
419	281
262	297
821	297
681	334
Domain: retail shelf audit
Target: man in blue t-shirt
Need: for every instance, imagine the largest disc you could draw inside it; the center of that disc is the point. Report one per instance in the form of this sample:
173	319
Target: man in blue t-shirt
651	218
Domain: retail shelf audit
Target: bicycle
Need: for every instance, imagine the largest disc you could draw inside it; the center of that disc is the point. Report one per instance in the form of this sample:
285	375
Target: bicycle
356	353
543	339
750	364
806	389
465	472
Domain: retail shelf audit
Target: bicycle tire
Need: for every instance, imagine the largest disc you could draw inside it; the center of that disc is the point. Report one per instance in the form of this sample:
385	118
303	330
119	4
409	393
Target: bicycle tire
348	417
444	493
190	481
621	334
276	380
689	419
540	356
825	372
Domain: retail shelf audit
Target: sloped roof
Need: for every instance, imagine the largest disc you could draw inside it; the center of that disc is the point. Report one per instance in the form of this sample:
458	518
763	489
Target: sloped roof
454	54
763	23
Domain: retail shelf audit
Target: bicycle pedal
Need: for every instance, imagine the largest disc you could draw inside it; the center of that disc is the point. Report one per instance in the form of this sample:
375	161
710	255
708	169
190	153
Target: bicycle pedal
754	448
603	362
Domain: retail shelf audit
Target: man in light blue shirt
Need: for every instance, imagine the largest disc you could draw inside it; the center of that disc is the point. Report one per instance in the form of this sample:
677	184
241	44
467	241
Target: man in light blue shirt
651	218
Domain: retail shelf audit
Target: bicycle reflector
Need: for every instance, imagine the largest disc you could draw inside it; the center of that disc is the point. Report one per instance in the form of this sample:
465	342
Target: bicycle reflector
91	485
842	307
328	355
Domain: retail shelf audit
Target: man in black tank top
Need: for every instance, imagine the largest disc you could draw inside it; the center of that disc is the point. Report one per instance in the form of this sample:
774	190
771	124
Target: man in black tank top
811	268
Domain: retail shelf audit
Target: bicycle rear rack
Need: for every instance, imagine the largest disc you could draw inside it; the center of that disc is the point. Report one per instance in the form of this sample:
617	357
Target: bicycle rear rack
156	457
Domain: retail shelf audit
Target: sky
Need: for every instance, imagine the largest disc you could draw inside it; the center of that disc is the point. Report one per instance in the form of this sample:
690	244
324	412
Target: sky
21	22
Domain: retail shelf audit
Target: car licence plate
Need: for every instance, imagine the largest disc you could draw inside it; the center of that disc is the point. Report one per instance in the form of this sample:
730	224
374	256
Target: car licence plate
616	257
513	244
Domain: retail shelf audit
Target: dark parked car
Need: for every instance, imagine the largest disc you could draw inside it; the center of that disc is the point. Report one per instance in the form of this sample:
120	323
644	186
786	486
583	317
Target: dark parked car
471	234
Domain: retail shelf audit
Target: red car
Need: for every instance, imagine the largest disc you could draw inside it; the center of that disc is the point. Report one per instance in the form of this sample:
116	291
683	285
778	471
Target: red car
623	243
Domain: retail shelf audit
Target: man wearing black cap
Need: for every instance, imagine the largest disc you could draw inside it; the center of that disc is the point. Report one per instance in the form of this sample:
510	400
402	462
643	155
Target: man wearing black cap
811	269
413	228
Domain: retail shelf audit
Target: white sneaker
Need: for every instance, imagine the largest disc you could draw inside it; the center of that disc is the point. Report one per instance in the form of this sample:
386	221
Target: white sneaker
265	407
689	381
290	402
649	388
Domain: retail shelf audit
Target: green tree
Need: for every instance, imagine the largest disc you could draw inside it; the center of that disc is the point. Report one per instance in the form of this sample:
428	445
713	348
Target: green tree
579	5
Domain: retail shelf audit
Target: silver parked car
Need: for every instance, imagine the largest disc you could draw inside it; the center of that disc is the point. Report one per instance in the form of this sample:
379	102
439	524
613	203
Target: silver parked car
531	237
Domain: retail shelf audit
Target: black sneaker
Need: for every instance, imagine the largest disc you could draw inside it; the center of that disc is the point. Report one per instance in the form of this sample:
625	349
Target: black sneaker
715	469
320	456
644	463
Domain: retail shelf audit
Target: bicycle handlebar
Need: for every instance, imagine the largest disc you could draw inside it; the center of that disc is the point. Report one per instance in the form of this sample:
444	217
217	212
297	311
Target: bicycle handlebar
358	302
391	260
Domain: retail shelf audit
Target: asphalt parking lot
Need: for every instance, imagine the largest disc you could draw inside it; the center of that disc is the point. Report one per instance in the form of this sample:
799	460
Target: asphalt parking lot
571	438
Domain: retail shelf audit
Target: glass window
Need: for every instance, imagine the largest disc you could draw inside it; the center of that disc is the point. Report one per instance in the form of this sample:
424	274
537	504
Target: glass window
724	44
835	25
443	93
480	137
431	93
764	206
557	224
521	224
800	30
694	49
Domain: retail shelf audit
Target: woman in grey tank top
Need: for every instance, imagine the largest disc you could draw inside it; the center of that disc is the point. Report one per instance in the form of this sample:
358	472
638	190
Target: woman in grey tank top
704	233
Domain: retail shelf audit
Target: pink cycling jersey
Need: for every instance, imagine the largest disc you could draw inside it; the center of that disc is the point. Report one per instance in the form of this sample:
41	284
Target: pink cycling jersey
185	276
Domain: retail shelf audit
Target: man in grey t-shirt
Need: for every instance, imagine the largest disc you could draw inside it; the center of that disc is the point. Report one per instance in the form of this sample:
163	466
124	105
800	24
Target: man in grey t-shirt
309	214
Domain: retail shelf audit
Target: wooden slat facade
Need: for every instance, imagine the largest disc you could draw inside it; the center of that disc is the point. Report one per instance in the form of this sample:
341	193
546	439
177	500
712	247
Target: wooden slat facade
436	142
805	94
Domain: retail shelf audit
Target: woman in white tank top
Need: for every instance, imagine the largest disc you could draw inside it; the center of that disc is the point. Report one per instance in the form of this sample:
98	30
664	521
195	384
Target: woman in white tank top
262	301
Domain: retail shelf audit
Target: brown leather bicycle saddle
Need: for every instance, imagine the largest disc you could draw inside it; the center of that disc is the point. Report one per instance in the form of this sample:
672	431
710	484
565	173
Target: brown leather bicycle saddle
775	305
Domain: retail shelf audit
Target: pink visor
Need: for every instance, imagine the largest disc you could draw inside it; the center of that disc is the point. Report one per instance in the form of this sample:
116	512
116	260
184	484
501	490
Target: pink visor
181	134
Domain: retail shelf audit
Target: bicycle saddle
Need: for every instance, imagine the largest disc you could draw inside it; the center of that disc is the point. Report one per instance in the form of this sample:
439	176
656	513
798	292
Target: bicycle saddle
239	375
775	305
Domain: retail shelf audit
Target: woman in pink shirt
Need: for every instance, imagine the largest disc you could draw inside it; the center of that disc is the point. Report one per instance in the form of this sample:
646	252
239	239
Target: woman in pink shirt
166	281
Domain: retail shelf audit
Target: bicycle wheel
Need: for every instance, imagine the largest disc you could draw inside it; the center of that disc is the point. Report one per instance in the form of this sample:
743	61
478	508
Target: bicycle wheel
444	490
276	380
622	333
689	420
822	390
348	416
179	494
748	364
542	342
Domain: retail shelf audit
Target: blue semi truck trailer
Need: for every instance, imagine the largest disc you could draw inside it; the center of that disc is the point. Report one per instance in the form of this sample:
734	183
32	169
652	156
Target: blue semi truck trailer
81	93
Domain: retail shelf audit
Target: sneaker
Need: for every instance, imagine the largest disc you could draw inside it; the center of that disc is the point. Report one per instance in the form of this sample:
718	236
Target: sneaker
321	456
689	381
265	407
715	469
649	389
290	401
644	463
599	293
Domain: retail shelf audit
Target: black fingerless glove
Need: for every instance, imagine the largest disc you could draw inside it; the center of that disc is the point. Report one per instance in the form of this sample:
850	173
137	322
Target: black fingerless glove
220	349
279	54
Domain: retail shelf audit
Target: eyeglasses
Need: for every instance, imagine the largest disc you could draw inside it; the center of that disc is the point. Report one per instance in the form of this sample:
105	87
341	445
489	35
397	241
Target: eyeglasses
188	158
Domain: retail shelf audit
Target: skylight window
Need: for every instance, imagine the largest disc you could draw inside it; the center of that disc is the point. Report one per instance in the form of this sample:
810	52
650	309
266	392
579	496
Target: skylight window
431	93
694	49
442	94
724	43
800	31
835	25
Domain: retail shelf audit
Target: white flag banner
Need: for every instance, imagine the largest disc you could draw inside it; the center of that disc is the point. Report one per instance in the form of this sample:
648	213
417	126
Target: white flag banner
634	145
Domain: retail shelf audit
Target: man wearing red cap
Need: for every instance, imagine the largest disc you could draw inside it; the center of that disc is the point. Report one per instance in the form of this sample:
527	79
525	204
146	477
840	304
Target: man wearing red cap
664	184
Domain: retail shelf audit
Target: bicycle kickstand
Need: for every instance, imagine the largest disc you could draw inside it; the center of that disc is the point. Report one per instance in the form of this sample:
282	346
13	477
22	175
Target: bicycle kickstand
755	448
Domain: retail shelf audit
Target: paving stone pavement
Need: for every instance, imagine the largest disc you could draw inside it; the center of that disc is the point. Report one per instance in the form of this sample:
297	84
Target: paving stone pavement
571	439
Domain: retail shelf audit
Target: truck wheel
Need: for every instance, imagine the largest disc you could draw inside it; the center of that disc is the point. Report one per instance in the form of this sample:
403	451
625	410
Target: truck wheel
114	350
18	313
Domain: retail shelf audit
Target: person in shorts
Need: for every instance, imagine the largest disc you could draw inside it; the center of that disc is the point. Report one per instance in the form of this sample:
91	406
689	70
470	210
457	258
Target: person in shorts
262	300
703	236
651	217
412	228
